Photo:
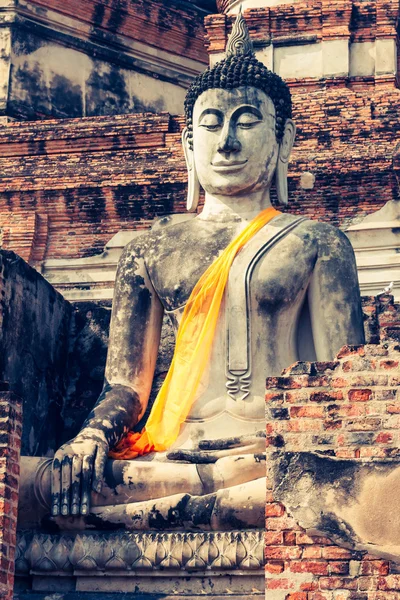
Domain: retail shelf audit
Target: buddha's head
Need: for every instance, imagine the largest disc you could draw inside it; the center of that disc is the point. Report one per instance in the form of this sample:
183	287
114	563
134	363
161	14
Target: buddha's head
239	131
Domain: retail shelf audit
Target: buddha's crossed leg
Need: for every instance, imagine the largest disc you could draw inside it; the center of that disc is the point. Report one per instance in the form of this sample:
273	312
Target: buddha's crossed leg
137	486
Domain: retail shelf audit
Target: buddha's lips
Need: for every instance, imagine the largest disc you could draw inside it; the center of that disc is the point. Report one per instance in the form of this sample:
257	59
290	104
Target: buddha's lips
229	166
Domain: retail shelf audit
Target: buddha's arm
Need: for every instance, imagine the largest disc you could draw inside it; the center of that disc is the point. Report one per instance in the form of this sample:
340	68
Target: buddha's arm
134	339
333	295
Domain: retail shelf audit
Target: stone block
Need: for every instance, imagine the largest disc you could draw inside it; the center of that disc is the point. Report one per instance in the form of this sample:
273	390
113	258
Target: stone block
176	564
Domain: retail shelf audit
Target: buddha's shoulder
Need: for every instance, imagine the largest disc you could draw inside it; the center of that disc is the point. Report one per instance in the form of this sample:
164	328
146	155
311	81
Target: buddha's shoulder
317	231
166	235
323	239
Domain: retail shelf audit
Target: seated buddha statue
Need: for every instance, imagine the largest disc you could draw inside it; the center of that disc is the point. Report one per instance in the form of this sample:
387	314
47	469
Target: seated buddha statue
249	290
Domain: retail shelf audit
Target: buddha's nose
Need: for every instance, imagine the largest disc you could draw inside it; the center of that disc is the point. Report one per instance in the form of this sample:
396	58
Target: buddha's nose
229	143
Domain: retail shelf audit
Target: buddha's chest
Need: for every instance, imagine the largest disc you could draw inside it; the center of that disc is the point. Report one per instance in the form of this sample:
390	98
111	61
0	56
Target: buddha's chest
269	275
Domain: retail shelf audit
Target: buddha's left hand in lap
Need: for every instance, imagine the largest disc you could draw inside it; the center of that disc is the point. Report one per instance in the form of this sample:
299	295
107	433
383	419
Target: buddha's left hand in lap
209	451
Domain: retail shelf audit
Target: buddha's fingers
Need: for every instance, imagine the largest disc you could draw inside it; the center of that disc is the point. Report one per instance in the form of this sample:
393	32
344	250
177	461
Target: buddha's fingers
193	456
66	466
76	478
56	487
201	457
87	472
235	470
99	466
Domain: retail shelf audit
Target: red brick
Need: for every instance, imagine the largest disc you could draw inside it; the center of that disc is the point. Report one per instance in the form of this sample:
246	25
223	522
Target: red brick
384	438
274	510
317	567
359	395
310	412
282	552
273	538
275	567
389	364
326	396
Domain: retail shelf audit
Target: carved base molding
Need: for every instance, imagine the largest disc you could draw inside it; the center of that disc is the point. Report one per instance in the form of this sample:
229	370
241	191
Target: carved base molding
189	564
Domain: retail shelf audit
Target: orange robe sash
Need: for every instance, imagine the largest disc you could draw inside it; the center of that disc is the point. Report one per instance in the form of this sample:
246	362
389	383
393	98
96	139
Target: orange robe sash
192	353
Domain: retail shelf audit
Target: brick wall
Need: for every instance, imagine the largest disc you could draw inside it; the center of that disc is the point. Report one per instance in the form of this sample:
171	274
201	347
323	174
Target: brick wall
357	20
349	409
67	186
176	28
10	444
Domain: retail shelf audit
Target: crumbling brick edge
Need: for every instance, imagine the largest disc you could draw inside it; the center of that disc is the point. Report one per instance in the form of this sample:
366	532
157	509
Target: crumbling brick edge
10	447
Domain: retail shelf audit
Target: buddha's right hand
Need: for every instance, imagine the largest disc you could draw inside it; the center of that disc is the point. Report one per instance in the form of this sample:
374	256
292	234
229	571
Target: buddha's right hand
78	468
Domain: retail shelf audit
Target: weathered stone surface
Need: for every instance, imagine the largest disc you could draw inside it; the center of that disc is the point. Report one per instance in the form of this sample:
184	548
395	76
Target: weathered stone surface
62	61
116	552
155	565
332	518
34	338
353	503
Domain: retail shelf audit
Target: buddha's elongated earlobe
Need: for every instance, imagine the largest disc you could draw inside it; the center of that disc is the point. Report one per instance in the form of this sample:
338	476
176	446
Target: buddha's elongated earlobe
285	148
193	181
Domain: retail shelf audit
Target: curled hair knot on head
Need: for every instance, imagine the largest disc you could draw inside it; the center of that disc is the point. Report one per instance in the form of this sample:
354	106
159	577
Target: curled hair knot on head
241	68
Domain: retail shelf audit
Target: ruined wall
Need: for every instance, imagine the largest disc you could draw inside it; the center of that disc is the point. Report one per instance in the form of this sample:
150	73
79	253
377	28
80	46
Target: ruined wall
34	339
355	39
10	445
346	411
69	59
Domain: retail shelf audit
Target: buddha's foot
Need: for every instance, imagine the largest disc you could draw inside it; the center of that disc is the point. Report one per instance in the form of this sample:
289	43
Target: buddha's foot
238	507
355	503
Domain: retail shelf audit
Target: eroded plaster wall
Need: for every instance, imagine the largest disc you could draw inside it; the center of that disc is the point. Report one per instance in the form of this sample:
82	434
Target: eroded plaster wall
50	79
71	59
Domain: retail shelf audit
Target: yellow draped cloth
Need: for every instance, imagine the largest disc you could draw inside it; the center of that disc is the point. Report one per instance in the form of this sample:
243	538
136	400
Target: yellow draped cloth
192	353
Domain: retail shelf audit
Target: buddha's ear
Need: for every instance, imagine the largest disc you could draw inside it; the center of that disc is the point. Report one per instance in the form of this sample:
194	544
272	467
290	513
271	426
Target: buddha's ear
285	148
193	182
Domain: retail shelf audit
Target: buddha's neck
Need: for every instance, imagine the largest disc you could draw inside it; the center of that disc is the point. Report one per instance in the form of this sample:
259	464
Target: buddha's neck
235	208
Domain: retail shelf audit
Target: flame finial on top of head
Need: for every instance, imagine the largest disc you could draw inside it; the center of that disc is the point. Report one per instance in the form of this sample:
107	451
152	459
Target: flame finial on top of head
239	42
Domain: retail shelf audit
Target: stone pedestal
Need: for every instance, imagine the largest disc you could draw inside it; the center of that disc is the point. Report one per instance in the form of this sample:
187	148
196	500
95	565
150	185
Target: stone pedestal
214	565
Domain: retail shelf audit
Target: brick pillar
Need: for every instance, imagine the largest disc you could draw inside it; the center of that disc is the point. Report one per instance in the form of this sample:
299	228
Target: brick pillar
350	409
10	445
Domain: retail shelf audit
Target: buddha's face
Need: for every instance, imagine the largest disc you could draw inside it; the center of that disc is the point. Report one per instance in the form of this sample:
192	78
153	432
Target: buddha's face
234	140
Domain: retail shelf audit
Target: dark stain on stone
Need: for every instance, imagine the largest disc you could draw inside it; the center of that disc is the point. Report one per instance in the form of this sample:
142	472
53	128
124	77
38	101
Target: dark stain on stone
175	516
201	510
229	517
330	525
135	202
117	16
66	98
24	43
98	15
86	363
155	106
333	112
106	93
97	522
324	138
28	80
